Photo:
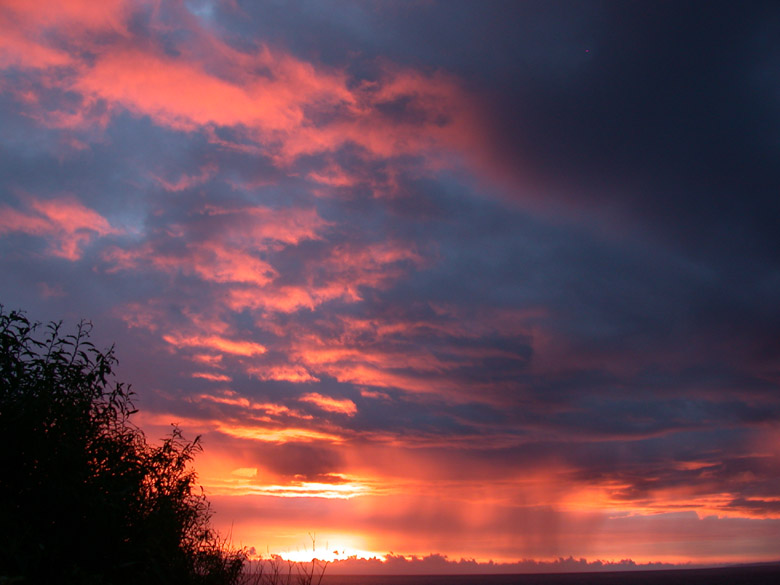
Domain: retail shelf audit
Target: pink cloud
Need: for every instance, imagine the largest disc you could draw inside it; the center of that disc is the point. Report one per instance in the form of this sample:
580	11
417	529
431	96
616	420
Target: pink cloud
261	226
230	257
26	41
212	377
64	222
188	181
16	50
183	94
284	373
333	176
383	353
230	253
270	97
340	275
78	14
219	263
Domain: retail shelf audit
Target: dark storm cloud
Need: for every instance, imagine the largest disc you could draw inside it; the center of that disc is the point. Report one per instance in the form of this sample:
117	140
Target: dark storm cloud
666	126
655	112
301	462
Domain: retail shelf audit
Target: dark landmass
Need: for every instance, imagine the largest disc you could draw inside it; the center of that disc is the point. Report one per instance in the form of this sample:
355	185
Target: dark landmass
733	575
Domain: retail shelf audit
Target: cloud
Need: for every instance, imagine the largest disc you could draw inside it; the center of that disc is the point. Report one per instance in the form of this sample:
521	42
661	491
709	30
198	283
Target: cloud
223	246
216	343
330	404
29	39
287	373
284	106
183	95
425	269
436	564
64	222
189	181
212	377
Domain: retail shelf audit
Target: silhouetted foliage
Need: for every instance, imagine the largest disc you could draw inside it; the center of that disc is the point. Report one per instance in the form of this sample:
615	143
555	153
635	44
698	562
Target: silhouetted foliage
83	497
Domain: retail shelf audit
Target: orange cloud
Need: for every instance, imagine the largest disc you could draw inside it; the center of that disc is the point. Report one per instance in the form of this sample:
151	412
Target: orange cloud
208	359
214	342
363	374
271	411
344	491
343	406
277	435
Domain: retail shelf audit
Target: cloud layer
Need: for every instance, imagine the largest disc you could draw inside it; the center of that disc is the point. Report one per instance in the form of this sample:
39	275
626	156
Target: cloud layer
486	281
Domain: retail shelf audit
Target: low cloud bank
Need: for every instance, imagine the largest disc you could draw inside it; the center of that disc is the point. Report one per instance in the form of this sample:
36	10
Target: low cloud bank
436	564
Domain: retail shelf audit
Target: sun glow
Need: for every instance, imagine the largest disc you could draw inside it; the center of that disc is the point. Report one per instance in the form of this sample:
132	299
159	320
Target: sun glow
313	490
242	485
330	554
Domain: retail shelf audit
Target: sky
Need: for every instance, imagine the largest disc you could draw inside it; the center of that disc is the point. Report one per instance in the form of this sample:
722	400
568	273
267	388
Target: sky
490	280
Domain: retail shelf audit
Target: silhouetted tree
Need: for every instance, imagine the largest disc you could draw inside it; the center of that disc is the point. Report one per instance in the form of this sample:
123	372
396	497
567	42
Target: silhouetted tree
83	497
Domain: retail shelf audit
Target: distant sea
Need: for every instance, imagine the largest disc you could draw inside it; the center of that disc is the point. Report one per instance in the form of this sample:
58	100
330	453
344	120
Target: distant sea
747	575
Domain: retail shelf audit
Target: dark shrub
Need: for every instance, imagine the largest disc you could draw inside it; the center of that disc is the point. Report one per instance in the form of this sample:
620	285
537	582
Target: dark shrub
83	497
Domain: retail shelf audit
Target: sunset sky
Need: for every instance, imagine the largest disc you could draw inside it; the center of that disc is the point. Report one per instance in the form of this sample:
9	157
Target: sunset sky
492	280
